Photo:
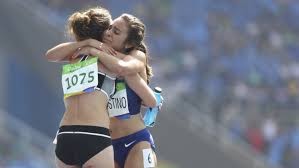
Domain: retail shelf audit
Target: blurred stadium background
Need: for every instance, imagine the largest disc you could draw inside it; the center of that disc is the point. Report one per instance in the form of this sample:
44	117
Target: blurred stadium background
229	70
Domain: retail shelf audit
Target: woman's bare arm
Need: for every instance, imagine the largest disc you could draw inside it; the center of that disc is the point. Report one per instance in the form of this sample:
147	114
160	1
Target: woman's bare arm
135	63
126	66
129	68
64	51
141	88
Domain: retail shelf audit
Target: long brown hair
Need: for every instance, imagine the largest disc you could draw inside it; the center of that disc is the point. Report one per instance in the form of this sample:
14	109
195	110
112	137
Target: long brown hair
135	38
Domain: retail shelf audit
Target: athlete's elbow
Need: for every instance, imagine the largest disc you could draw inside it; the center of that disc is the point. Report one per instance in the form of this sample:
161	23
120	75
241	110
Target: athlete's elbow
151	102
49	56
121	69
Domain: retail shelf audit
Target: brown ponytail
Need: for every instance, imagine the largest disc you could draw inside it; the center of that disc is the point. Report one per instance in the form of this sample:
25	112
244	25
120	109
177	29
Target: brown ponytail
136	39
149	72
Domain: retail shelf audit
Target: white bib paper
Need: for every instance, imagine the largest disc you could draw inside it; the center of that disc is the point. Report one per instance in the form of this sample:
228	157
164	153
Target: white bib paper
148	158
78	77
118	103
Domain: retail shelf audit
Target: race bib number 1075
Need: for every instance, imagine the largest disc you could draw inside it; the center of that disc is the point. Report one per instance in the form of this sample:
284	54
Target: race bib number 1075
79	77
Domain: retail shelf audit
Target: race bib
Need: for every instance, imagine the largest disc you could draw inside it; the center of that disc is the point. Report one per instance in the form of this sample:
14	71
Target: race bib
118	103
148	158
80	77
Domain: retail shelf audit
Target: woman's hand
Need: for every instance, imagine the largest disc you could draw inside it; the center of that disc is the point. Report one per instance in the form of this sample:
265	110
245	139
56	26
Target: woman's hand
85	51
105	48
101	46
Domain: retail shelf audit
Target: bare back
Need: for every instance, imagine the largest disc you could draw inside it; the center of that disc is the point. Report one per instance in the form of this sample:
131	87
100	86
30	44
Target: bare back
88	108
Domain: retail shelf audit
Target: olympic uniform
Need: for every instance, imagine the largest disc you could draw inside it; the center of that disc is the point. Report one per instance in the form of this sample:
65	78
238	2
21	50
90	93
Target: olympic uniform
122	104
76	144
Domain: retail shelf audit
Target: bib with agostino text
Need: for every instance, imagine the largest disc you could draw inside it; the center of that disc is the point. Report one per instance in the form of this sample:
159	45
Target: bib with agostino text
118	102
80	77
